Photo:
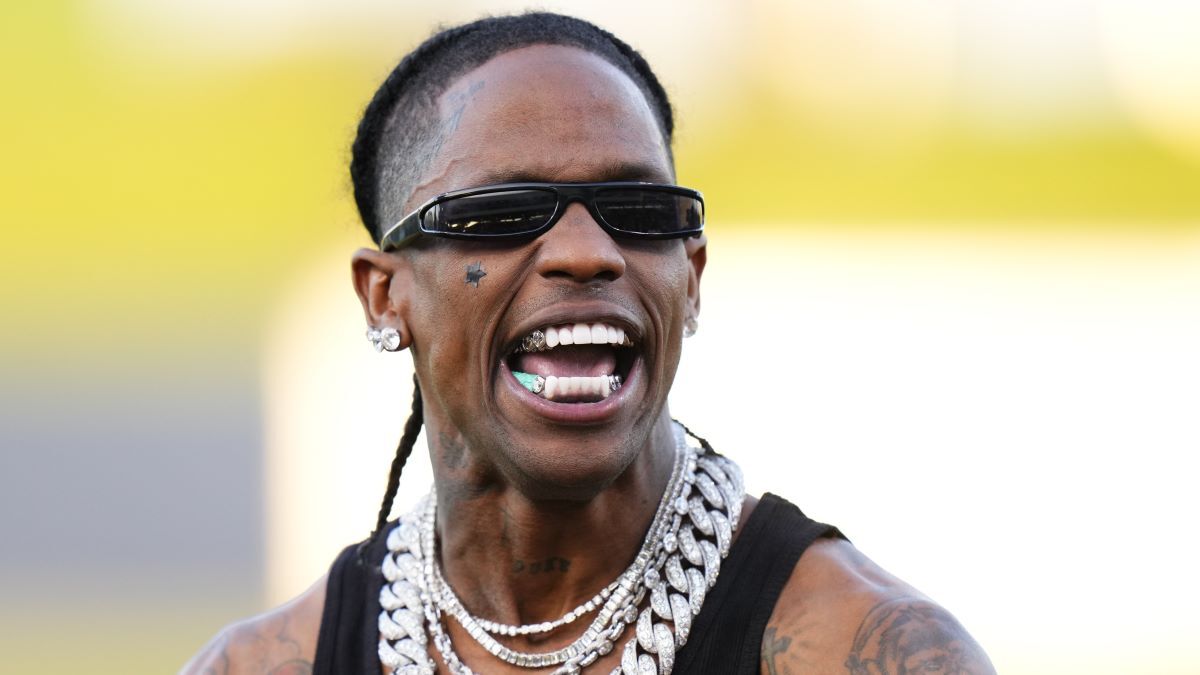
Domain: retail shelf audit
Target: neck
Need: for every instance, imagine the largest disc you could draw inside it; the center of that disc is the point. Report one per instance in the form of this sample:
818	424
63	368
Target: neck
519	560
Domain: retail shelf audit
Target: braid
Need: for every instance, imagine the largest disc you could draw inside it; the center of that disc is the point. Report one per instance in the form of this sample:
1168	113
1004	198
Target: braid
411	429
703	443
400	129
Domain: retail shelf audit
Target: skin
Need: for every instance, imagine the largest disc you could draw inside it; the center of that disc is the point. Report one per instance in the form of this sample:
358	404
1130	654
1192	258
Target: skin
842	613
536	515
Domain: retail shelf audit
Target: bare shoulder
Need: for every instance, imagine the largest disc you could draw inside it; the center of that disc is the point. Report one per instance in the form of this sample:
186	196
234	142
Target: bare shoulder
842	613
282	641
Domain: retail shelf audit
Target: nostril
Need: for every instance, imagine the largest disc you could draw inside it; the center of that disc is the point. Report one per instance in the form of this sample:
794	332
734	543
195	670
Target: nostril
577	260
576	248
601	275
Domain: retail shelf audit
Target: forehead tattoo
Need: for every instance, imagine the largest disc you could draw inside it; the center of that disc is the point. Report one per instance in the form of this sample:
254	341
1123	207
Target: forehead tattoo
475	273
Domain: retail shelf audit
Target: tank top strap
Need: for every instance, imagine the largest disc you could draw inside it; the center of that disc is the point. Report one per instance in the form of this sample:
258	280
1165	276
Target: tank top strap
348	641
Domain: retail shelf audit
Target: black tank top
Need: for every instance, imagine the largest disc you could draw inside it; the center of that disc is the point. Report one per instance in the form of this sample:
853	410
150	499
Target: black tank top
726	636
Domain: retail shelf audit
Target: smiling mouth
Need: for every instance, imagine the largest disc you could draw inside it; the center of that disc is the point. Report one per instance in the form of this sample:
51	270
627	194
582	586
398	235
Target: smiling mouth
573	363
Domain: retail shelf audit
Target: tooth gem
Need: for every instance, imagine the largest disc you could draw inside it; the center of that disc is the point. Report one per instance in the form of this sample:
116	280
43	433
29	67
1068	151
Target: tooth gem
534	342
693	564
552	387
534	383
614	382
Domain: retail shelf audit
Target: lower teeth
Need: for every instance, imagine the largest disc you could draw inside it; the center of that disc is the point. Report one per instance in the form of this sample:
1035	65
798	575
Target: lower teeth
552	388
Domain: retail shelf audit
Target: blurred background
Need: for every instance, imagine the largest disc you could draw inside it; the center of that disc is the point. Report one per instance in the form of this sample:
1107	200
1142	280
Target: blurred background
952	305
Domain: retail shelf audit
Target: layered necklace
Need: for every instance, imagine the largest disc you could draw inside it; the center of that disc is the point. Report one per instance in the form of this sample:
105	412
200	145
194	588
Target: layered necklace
676	566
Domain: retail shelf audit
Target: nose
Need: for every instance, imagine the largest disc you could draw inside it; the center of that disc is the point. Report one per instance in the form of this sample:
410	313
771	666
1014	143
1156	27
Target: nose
578	249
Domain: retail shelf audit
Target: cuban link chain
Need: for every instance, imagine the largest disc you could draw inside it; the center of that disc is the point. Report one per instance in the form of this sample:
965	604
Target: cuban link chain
615	610
686	544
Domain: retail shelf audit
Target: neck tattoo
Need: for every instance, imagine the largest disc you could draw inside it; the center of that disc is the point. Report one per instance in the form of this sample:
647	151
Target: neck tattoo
675	568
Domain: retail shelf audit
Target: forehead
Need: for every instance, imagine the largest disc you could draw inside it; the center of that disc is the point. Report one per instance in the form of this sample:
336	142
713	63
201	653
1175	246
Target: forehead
544	113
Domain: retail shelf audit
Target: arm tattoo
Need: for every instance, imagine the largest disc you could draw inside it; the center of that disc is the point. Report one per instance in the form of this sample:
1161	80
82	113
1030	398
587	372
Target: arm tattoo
772	646
907	635
262	646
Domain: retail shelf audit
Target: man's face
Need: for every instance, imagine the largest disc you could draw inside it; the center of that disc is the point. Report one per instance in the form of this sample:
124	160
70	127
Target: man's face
554	114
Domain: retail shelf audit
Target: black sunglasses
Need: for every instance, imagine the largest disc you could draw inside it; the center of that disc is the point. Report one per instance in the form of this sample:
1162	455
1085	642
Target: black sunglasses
515	210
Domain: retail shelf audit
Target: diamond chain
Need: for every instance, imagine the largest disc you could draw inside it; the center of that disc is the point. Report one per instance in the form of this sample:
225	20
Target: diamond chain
613	596
676	567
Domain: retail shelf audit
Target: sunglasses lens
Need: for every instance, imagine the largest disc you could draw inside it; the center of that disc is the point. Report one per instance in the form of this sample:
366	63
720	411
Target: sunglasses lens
652	212
508	212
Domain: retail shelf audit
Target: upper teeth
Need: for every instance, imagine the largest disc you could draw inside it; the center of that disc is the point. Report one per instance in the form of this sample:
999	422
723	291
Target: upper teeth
574	334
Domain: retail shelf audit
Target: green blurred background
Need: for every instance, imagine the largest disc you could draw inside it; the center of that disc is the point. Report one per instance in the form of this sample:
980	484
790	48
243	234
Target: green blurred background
170	168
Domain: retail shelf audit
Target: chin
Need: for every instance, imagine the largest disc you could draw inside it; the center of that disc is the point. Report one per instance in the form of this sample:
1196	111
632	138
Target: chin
571	469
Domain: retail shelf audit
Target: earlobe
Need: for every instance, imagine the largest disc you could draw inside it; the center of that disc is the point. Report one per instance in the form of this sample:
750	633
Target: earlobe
380	281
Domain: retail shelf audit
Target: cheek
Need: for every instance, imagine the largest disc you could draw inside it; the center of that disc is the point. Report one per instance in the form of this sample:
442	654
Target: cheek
450	286
441	307
666	277
664	280
451	310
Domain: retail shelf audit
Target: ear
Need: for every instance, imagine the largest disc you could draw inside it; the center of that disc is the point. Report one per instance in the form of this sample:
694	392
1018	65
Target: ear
383	282
697	253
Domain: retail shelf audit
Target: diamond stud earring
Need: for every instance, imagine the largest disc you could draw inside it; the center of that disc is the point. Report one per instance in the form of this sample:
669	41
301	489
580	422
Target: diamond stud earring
384	339
690	326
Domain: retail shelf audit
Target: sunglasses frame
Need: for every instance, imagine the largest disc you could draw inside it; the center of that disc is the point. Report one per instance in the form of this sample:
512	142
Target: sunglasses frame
412	226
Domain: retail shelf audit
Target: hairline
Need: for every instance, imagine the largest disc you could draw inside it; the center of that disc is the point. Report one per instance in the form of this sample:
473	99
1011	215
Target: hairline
430	132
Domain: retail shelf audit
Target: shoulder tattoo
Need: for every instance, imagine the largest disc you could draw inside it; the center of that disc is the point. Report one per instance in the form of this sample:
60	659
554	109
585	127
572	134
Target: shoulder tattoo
772	646
259	646
907	635
293	667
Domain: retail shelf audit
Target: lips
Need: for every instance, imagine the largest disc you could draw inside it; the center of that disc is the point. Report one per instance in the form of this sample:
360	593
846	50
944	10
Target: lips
579	363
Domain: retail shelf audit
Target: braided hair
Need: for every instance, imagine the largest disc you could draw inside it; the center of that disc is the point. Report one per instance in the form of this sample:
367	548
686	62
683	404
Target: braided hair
400	131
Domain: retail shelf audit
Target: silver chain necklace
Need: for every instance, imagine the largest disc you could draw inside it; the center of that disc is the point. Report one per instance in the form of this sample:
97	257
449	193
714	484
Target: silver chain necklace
496	628
614	601
678	564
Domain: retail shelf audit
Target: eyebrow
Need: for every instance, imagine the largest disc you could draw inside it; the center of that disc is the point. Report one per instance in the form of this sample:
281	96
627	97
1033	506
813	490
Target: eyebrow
617	171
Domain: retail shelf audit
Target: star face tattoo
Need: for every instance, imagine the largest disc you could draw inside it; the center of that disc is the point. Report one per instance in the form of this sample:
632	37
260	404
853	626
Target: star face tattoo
475	273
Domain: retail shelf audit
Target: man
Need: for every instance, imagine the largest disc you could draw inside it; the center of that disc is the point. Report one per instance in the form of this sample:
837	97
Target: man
542	267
